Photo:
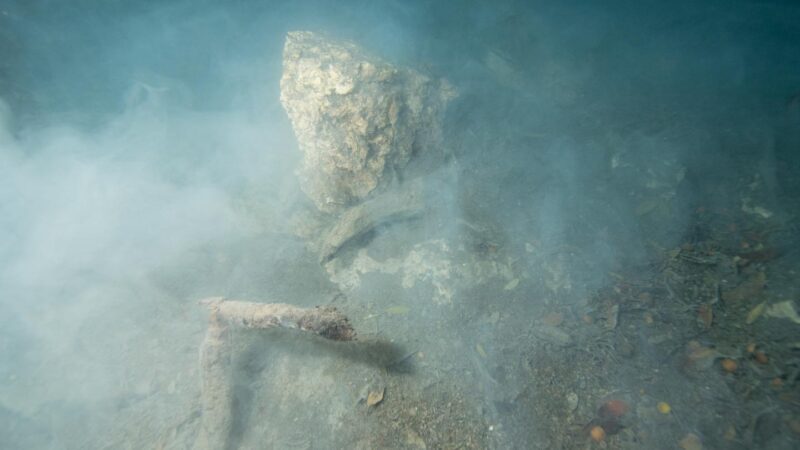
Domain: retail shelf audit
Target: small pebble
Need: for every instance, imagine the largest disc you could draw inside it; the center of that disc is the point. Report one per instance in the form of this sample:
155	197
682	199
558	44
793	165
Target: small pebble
572	401
664	408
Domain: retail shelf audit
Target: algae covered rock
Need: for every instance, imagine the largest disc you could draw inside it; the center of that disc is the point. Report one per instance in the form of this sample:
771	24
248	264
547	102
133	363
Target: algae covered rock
358	119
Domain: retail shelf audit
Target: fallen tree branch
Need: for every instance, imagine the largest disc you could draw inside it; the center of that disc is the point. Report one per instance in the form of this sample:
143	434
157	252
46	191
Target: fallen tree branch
393	206
215	357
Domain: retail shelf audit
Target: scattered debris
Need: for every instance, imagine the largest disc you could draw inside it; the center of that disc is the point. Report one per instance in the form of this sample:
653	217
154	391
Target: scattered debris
398	310
691	442
597	433
783	310
572	401
553	335
553	319
748	290
730	434
608	419
375	397
699	357
729	365
705	315
415	440
613	408
760	256
612	316
511	285
755	313
760	211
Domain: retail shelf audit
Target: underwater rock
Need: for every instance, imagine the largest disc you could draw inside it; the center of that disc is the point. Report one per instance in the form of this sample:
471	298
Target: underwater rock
358	119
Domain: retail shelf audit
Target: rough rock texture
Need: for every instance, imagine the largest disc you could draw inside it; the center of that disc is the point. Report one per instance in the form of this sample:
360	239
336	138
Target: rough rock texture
358	119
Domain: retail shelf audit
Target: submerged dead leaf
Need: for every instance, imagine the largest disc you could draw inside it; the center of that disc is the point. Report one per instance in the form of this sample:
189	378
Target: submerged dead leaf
511	284
783	310
794	425
647	206
705	314
375	397
608	419
553	319
613	408
749	289
553	335
415	440
612	317
699	357
398	310
755	313
691	442
763	255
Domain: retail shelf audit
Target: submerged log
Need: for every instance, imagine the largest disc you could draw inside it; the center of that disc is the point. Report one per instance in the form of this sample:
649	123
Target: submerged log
215	354
398	205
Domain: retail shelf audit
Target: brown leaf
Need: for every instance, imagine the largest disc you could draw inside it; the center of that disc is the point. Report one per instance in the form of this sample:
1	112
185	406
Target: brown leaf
691	442
613	408
706	315
747	290
761	255
553	319
375	397
699	357
755	313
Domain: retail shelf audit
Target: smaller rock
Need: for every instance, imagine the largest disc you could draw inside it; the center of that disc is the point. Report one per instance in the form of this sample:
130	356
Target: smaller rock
572	401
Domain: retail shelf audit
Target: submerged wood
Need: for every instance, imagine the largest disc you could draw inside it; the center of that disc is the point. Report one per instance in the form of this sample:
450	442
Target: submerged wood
397	205
215	354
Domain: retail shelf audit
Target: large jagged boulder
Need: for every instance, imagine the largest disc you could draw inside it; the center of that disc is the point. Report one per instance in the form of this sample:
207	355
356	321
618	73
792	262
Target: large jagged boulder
358	119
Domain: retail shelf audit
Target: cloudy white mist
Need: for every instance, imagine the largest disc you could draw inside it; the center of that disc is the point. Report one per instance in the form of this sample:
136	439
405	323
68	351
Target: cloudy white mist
150	137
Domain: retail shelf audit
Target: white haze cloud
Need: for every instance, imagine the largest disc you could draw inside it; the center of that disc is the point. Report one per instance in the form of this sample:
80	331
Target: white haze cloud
148	135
